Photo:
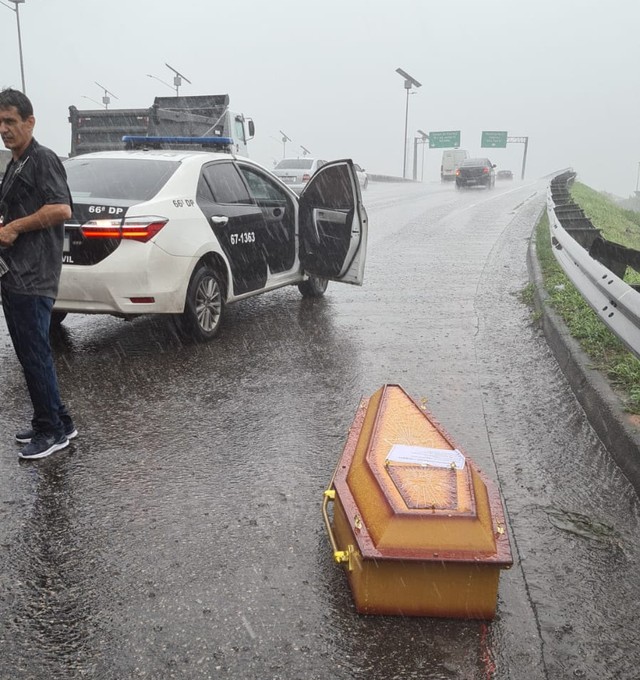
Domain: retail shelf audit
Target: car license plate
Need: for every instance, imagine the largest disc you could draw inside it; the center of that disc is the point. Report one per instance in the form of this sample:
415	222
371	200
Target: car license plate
289	180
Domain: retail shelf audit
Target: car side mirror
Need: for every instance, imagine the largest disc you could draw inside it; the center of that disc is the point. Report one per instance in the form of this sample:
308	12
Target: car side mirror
494	165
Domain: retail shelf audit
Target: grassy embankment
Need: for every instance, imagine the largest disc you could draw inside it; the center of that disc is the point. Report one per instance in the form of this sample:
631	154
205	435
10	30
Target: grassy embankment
607	353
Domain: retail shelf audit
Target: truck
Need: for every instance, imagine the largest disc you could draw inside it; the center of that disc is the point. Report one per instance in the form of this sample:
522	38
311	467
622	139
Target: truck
451	160
193	116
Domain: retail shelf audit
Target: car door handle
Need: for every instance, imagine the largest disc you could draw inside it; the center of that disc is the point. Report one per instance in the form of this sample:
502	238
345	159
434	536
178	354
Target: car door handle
219	220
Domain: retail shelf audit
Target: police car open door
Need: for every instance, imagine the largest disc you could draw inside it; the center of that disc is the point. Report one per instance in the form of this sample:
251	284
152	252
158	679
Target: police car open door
333	224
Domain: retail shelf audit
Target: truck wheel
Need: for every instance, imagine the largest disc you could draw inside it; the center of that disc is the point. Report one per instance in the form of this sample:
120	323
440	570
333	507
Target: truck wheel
314	286
204	306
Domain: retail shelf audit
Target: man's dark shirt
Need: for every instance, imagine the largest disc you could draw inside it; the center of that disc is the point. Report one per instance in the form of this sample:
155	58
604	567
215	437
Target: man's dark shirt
35	259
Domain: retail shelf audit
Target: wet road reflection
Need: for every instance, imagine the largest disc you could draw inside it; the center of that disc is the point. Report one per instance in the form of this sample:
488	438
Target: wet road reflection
180	535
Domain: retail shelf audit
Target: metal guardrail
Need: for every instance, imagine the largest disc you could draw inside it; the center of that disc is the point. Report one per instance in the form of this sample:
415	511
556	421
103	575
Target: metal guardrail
595	266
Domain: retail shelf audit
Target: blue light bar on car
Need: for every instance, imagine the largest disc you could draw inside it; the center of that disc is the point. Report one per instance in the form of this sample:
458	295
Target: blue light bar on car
135	140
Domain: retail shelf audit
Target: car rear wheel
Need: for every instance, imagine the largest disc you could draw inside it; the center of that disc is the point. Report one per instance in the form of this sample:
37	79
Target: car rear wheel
314	286
204	306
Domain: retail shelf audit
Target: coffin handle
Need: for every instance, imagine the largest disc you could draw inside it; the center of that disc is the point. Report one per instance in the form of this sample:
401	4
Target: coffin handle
339	556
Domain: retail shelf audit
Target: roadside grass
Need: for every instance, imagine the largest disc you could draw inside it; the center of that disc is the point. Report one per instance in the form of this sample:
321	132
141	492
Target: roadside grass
617	224
608	354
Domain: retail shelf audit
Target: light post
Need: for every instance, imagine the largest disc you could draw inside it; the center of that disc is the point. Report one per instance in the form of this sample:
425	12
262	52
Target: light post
16	9
164	82
305	151
423	139
638	181
84	96
105	97
177	78
409	82
285	139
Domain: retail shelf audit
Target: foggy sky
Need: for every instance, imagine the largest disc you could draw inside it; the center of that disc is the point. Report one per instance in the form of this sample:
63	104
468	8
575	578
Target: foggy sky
562	72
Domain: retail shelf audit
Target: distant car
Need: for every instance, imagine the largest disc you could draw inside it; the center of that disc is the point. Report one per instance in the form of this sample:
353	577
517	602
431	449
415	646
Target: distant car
504	174
476	172
296	172
362	176
184	233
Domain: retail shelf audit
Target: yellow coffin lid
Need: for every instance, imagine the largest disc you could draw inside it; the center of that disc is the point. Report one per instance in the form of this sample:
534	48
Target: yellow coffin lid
408	510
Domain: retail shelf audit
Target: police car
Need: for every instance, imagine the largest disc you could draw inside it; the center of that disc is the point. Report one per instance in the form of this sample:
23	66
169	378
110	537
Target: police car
186	232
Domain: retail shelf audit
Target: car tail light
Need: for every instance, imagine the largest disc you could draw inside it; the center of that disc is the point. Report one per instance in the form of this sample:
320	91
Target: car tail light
131	228
485	171
306	177
458	172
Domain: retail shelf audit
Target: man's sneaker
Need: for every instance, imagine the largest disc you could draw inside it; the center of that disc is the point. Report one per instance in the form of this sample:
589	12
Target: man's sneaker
43	445
26	436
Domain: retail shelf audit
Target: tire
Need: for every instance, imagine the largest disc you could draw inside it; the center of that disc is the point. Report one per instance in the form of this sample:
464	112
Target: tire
56	319
313	287
204	306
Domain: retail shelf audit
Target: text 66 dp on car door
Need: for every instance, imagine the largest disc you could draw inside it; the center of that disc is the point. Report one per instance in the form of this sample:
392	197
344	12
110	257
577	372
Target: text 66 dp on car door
333	224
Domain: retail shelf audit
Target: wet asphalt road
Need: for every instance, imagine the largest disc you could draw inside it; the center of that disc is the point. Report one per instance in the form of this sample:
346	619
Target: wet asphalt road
180	536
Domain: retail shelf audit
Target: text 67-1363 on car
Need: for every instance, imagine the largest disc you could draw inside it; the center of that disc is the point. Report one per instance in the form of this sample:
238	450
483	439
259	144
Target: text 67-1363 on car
184	233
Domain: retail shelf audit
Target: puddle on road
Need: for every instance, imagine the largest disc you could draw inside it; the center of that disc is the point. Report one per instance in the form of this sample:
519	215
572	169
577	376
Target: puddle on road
582	525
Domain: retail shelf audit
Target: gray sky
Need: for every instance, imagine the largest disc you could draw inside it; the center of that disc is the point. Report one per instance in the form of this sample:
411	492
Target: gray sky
562	72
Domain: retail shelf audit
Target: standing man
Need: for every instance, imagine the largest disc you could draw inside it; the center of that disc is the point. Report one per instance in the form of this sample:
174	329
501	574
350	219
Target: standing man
34	203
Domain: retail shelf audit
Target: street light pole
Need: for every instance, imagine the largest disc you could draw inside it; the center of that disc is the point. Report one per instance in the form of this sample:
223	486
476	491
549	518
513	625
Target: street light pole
164	82
285	139
425	138
177	79
407	85
106	99
16	9
409	82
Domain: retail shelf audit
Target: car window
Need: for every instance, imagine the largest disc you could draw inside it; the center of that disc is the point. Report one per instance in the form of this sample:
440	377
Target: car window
225	183
261	187
295	164
331	189
239	129
130	179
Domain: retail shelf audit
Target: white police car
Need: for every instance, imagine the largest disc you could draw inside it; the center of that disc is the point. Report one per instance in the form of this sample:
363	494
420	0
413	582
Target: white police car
186	232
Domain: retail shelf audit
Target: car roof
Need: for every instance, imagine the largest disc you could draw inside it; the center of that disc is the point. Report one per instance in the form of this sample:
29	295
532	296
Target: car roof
298	158
162	155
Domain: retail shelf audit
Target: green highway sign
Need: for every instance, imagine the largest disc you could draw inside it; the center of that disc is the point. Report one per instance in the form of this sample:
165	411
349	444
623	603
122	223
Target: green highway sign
493	140
444	140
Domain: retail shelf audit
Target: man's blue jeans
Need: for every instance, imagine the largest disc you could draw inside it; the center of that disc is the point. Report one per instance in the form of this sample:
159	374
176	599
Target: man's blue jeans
28	319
